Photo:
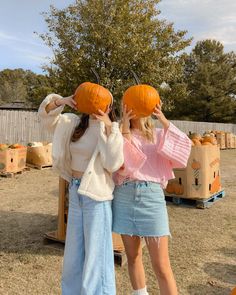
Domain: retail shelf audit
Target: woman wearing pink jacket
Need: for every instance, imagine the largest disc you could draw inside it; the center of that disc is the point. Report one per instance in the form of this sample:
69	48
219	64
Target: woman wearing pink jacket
139	207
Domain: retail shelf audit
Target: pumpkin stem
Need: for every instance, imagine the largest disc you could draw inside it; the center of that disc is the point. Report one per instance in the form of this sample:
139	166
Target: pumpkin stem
135	77
96	75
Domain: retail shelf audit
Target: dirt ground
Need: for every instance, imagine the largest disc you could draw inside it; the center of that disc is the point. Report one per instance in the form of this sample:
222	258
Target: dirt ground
202	247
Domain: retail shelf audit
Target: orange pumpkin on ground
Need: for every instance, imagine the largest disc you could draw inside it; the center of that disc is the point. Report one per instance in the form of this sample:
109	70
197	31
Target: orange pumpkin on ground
91	97
179	189
142	99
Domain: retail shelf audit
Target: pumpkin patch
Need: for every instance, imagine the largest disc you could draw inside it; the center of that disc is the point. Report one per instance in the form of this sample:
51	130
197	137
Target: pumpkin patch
209	138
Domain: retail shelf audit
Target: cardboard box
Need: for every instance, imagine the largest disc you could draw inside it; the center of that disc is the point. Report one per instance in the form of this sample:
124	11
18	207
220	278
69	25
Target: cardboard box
201	178
229	140
234	141
40	155
21	158
220	137
13	160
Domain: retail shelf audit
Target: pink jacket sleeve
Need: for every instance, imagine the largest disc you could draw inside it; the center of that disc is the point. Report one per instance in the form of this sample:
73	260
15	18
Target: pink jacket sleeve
174	145
133	159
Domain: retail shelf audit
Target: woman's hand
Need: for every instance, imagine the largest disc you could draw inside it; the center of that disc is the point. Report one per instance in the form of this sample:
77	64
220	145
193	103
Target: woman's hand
127	116
161	117
104	117
66	101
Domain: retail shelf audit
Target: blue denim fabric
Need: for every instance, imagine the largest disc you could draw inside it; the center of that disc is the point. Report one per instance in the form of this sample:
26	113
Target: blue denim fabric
88	267
139	209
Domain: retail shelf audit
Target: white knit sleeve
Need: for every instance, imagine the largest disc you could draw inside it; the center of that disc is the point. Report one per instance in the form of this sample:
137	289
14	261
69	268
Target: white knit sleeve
49	120
111	149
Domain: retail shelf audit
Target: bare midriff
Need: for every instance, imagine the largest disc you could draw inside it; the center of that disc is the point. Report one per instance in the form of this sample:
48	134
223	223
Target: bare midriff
77	174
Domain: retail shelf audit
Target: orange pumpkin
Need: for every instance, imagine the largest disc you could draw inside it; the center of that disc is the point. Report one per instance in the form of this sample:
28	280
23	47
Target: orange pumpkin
170	188
195	136
179	189
16	146
233	291
210	139
196	141
206	143
142	99
91	97
3	146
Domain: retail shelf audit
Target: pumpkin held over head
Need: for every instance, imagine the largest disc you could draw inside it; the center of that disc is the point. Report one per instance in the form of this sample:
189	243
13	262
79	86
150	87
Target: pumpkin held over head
141	99
233	291
91	97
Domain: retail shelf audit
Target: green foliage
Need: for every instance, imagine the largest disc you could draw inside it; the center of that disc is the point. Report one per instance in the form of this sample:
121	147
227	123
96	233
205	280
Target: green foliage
25	86
210	75
114	37
12	87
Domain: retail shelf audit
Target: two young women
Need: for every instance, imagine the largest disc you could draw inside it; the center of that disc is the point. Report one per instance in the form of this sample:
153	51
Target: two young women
86	152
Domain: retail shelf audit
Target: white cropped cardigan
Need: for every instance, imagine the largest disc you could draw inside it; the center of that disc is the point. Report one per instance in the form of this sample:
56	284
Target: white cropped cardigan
96	182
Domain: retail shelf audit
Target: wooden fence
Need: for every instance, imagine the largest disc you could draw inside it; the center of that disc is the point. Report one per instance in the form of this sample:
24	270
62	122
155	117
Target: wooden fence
24	126
21	127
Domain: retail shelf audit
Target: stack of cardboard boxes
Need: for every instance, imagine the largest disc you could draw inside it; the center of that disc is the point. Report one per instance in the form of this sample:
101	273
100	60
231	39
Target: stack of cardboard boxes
226	140
201	178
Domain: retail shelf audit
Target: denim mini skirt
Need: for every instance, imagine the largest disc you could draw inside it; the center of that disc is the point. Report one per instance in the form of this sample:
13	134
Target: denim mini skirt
139	209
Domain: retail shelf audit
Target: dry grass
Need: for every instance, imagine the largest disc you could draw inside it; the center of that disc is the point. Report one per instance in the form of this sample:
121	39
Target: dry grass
202	249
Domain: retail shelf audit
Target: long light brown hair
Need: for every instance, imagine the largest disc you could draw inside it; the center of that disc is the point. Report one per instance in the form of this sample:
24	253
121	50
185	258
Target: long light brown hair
84	124
146	128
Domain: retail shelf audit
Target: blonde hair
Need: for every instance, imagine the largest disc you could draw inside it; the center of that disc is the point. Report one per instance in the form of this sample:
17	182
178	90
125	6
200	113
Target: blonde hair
147	128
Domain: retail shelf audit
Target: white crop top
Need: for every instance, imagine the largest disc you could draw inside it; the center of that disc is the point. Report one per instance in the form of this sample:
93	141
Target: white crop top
82	150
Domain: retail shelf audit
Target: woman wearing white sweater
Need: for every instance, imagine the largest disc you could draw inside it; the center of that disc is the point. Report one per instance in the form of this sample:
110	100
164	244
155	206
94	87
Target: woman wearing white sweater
86	151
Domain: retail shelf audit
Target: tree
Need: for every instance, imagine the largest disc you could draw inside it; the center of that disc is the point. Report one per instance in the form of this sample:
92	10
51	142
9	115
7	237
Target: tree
12	87
113	37
210	75
25	86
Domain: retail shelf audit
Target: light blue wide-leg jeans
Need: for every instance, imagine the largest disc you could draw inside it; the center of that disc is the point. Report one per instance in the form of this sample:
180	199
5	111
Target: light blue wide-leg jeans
88	267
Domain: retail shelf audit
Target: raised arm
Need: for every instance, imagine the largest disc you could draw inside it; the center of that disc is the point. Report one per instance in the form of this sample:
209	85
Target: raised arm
111	147
172	143
50	110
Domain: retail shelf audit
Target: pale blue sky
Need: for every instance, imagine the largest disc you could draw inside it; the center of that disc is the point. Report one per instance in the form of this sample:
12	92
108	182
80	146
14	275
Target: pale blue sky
20	47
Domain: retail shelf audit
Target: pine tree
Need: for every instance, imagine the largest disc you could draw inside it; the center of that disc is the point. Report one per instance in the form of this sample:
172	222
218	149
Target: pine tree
210	75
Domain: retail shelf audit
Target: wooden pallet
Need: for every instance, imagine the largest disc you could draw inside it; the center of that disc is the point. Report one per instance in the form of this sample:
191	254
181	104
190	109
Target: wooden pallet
203	203
13	174
40	167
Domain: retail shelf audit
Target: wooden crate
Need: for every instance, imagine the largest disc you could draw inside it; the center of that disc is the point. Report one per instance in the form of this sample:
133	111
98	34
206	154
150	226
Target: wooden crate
229	140
220	137
39	156
13	160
